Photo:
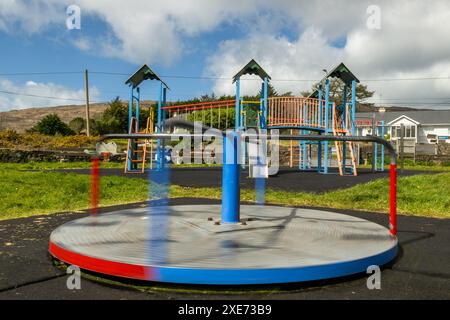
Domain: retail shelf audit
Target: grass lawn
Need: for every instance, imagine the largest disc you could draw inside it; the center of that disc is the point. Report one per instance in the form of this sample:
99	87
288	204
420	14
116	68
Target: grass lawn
56	165
25	193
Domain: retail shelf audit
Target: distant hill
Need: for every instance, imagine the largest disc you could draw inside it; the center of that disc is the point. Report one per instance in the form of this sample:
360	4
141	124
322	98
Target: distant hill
23	119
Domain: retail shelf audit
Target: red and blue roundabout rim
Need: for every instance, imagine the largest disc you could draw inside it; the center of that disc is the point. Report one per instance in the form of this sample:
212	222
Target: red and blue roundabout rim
227	276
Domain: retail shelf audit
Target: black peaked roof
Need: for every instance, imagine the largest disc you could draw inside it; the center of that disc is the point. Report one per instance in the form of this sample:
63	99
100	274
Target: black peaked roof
252	68
144	73
343	73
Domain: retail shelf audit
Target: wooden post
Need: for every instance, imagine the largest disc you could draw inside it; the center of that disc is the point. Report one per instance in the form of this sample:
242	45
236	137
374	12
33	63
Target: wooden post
86	81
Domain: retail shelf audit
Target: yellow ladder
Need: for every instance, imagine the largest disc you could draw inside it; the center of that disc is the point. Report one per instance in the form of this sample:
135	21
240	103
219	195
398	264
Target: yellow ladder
137	149
338	130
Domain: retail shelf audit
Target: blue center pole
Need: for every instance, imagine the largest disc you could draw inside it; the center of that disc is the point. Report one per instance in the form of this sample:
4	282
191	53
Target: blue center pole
230	178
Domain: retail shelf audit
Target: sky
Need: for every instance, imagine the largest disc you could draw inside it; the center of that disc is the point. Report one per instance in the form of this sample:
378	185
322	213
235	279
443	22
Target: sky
399	49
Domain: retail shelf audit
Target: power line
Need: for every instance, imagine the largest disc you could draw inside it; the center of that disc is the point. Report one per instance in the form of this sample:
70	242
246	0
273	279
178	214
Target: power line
43	97
39	73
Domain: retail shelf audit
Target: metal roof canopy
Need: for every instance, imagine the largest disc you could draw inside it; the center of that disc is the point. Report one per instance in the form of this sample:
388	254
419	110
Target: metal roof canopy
343	73
340	72
252	68
144	73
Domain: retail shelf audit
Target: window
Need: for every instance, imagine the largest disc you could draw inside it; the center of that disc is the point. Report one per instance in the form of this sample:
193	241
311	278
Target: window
409	131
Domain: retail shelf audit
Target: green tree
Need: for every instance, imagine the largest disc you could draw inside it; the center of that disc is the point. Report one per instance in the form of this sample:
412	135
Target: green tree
77	124
271	92
51	125
223	119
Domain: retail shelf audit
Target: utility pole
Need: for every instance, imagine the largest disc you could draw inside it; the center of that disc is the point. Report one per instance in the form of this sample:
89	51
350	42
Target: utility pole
86	81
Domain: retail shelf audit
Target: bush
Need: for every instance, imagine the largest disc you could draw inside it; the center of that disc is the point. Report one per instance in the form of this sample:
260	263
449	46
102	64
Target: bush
9	138
52	125
33	140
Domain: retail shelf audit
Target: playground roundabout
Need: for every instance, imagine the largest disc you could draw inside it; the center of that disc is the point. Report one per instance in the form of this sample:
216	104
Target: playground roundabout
269	245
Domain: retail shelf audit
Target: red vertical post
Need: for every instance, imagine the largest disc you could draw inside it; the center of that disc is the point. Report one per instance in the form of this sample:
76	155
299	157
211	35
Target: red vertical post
393	200
95	179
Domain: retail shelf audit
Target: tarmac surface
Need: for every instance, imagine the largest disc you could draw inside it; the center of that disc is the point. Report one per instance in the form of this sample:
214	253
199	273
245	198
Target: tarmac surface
421	270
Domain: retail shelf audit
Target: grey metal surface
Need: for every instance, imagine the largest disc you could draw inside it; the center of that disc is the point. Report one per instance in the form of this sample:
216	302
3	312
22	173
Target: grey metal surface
182	236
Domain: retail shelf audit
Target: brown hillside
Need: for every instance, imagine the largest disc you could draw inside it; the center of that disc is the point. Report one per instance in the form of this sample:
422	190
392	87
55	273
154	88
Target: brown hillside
23	119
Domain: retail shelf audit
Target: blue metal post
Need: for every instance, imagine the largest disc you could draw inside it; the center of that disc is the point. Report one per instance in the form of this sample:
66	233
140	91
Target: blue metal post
163	126
319	143
327	94
345	127
264	104
159	128
130	115
130	108
138	99
353	107
238	103
230	178
375	157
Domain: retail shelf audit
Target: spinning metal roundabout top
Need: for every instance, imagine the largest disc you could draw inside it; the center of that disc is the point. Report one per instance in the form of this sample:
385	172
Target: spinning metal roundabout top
270	245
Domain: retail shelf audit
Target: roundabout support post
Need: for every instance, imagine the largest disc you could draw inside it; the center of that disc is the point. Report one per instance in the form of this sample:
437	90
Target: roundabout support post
230	178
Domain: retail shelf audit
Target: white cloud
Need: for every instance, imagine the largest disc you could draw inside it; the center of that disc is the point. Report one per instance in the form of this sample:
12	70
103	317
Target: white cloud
412	42
30	16
25	95
282	59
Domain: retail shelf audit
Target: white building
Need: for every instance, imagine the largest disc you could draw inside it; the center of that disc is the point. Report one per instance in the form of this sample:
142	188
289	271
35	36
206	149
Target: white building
422	127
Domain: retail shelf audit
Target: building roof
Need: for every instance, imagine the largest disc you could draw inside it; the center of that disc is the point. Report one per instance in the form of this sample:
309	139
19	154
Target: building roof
144	73
423	117
252	68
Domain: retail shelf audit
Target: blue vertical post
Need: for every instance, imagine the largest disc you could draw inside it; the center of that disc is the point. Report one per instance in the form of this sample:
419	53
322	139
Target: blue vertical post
238	105
353	107
375	157
230	178
327	94
163	125
243	126
319	143
264	104
345	127
159	129
138	99
130	115
130	108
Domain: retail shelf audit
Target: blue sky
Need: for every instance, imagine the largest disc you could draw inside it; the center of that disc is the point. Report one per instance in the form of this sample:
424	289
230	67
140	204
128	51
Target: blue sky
292	39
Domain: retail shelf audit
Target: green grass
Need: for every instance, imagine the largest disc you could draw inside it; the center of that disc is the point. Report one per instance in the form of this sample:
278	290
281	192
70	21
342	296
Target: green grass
25	193
418	167
56	165
29	193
